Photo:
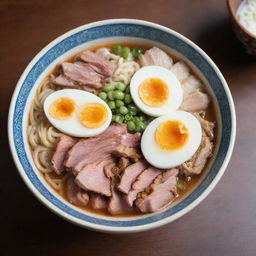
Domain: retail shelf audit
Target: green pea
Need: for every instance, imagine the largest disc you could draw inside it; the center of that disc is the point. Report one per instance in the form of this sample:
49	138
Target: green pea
118	95
113	117
140	127
127	90
103	95
112	104
131	126
133	110
136	120
119	103
119	119
128	117
136	52
117	49
120	87
142	118
111	95
109	87
127	98
125	52
123	110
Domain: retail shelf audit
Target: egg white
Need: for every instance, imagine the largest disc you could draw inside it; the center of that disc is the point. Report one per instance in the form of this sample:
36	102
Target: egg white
175	91
161	158
72	125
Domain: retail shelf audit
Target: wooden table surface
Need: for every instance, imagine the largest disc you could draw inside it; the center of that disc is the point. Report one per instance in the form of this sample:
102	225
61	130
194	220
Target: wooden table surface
223	224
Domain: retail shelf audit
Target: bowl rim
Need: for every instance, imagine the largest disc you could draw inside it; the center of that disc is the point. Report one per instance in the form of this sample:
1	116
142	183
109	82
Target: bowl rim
120	229
232	10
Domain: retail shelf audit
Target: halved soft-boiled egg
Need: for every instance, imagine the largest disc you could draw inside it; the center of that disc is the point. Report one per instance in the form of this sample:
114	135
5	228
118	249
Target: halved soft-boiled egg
156	90
172	139
77	113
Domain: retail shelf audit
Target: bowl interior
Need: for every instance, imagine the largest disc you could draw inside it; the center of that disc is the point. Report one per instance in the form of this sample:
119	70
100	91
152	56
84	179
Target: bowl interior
114	31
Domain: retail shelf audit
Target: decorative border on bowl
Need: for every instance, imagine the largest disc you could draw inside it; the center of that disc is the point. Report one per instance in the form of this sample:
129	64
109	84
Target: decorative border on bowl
117	28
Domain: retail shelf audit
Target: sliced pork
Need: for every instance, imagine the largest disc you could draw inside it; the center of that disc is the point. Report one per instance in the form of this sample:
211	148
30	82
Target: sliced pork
99	63
92	178
195	102
196	164
64	81
108	169
155	56
85	146
190	85
102	148
143	180
75	194
130	174
117	204
207	126
180	70
123	163
127	152
98	201
159	194
82	74
63	146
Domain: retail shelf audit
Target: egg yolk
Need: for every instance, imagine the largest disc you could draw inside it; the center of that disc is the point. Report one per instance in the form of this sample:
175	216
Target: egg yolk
171	135
153	92
93	115
62	108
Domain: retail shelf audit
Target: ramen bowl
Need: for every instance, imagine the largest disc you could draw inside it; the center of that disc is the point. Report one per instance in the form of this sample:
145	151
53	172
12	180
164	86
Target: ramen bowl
120	30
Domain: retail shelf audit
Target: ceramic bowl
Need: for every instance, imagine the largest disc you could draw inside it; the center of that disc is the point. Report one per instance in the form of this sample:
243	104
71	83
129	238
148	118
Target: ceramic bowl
247	38
113	31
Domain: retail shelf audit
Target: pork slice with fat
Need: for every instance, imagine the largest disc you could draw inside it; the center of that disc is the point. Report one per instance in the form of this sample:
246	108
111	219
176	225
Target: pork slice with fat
93	178
156	56
76	195
99	63
82	74
198	161
130	174
117	204
180	70
64	144
85	146
195	102
159	194
142	181
207	126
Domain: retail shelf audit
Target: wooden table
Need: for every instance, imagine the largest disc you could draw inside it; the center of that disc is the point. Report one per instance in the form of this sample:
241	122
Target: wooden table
223	224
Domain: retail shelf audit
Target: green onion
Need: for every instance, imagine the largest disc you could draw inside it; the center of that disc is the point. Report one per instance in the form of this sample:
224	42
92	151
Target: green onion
181	184
117	49
136	52
125	52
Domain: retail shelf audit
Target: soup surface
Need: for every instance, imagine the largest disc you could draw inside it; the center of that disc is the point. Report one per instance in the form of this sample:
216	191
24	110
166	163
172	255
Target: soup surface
113	84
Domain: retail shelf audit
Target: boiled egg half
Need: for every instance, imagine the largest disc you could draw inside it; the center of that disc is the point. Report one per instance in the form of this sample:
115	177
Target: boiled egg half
172	139
156	90
77	113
